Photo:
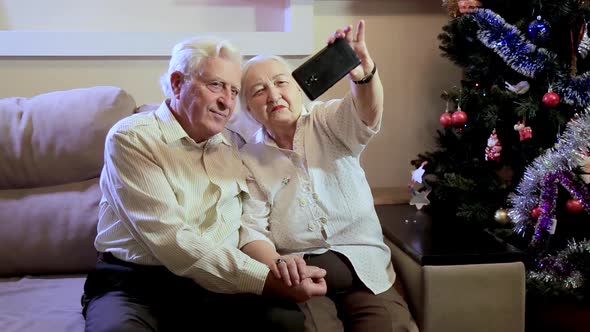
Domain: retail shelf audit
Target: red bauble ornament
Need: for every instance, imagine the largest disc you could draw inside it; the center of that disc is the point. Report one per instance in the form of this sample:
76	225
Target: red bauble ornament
459	117
536	212
445	119
551	99
574	206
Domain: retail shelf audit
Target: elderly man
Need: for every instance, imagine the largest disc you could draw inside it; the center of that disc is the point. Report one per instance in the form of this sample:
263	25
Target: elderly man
169	217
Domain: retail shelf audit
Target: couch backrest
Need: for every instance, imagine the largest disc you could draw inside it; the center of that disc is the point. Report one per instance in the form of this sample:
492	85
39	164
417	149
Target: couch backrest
51	155
58	137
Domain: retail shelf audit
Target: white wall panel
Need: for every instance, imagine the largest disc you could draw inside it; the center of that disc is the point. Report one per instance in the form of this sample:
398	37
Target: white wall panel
151	27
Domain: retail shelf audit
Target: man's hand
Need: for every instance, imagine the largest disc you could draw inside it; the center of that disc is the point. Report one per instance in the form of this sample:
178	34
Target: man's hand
313	285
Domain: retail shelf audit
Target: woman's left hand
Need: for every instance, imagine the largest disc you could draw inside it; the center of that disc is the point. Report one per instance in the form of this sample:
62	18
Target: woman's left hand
290	268
356	39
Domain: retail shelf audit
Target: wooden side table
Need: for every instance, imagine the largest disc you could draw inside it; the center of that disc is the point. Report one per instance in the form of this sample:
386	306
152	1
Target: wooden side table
456	279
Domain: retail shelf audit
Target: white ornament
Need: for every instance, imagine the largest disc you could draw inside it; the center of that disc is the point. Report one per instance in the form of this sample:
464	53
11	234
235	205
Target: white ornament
584	163
584	46
418	173
520	88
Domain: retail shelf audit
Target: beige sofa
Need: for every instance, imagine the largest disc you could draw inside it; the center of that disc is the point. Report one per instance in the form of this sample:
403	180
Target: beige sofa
51	154
50	159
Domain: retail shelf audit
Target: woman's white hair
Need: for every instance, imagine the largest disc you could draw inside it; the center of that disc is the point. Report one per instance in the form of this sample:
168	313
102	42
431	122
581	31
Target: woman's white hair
252	61
188	54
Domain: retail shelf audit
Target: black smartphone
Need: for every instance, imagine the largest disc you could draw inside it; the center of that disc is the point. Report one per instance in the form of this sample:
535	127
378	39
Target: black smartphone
326	68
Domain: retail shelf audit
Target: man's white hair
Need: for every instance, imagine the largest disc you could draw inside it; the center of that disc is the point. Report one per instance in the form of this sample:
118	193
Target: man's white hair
188	54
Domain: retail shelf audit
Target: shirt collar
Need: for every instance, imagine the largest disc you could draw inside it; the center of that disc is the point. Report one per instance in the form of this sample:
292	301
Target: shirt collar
221	137
173	131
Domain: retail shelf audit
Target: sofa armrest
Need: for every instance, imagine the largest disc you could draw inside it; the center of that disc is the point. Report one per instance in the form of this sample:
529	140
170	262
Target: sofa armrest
471	297
410	274
455	279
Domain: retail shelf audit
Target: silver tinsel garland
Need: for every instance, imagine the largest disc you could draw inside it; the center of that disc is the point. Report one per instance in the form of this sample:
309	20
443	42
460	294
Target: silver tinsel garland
564	157
559	272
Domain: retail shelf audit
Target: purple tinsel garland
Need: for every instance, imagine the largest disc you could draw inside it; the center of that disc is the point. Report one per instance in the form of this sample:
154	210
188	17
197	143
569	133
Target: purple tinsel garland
548	199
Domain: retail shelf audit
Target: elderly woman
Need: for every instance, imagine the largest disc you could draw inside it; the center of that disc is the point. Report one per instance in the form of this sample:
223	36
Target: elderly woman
309	201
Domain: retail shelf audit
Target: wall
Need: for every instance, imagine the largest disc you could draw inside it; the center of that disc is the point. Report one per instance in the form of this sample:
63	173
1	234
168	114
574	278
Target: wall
402	37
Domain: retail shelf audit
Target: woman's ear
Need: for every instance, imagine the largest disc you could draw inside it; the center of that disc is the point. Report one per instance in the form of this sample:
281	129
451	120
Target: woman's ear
176	81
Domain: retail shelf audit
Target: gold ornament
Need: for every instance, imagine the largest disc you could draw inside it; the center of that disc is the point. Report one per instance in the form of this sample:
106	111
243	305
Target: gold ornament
468	6
452	7
501	216
460	7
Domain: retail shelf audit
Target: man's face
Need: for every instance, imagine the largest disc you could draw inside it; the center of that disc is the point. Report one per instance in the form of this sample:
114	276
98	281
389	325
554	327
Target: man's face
272	95
207	99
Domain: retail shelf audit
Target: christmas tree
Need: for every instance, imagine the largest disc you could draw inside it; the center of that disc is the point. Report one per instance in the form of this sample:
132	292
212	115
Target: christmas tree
526	75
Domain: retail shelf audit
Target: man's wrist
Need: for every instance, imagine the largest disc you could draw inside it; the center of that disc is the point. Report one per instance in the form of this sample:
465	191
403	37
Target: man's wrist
253	277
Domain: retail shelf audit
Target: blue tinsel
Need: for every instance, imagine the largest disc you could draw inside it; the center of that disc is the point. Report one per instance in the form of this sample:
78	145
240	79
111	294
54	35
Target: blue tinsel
526	58
574	90
509	43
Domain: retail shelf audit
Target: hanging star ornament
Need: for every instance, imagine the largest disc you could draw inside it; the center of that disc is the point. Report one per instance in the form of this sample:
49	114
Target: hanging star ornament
420	199
420	195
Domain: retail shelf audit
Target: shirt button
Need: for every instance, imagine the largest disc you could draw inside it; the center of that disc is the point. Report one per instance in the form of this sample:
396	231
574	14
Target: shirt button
315	196
323	220
311	227
301	202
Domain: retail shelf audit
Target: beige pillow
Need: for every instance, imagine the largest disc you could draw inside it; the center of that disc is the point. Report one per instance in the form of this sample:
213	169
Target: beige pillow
147	108
57	137
49	229
242	123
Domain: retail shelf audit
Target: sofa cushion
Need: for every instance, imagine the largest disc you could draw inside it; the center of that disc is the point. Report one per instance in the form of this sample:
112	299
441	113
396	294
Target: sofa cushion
242	123
57	137
41	304
49	229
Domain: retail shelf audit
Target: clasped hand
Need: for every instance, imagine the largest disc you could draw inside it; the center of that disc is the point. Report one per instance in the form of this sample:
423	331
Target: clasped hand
298	281
289	268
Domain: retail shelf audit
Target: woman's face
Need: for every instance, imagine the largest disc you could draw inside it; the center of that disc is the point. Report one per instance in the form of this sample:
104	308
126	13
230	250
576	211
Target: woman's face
271	94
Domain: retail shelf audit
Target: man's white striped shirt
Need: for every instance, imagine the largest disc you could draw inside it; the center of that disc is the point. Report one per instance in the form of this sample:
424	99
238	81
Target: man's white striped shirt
170	201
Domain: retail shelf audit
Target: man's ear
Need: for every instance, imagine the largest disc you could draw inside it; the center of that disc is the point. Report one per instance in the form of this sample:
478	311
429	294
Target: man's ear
176	81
